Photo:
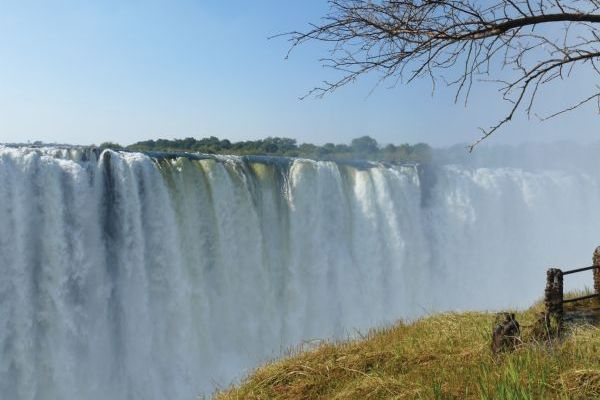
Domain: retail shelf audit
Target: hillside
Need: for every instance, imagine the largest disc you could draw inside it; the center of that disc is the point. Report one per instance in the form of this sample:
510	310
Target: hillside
443	356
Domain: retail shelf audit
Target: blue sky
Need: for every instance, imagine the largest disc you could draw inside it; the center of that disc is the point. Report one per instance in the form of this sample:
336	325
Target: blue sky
91	71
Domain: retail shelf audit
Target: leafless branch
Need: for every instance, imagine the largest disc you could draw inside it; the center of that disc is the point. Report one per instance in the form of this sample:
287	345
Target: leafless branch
515	42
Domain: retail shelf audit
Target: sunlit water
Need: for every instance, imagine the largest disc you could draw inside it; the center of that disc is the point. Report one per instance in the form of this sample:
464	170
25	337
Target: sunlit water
130	277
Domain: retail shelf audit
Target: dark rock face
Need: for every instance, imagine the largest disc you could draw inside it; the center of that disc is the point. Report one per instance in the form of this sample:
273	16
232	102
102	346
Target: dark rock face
507	333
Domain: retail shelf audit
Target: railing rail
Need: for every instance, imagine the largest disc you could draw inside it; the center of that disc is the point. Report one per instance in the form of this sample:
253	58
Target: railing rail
554	296
573	271
589	296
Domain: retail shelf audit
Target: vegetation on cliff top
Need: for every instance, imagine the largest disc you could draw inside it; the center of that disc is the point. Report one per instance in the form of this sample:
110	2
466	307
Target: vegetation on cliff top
365	148
444	356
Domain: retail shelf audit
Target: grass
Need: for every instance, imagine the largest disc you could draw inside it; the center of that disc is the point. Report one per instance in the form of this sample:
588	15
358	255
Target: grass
445	356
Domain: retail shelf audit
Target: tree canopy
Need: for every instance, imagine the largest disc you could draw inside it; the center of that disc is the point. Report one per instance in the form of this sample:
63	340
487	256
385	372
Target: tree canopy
362	148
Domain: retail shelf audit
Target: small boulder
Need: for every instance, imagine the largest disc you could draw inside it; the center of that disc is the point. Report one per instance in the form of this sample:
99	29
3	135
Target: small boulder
506	334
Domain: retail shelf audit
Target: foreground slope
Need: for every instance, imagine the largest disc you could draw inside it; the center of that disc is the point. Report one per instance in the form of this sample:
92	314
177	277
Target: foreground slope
444	356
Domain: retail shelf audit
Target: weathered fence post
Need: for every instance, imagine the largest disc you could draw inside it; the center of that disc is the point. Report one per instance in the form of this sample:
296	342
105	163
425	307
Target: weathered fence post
553	299
596	262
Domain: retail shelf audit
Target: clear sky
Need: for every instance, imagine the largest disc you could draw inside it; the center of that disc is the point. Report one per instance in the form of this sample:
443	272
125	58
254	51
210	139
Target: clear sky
88	71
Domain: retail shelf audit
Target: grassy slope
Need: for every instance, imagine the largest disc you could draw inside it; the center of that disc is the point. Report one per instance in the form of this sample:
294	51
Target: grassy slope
444	356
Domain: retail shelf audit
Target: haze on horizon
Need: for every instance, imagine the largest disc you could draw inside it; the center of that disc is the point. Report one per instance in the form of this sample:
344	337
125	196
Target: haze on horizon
85	72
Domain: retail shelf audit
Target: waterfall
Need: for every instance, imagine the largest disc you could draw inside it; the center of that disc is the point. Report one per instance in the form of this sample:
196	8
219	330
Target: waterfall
131	276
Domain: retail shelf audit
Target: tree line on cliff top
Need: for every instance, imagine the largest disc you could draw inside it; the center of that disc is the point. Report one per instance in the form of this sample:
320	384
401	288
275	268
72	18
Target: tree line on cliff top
362	148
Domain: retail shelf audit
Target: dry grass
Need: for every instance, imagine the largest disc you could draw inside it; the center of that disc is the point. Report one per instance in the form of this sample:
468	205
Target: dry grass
445	356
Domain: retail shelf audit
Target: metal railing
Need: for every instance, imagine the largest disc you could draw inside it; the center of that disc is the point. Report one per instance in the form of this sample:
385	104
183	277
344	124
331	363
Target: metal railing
574	271
554	296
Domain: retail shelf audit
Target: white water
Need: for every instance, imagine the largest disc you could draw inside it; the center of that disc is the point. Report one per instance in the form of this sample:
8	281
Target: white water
124	277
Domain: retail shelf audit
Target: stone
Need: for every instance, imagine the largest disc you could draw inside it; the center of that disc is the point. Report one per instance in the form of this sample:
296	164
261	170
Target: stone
507	333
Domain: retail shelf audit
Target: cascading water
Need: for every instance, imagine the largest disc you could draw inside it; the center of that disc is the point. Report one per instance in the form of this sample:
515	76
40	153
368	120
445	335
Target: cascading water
126	276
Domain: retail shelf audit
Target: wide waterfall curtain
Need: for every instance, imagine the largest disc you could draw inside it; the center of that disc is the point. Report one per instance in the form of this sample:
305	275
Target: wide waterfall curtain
126	276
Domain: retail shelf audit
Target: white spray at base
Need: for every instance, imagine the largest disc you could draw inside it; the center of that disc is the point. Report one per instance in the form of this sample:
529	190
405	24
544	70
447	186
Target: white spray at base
130	277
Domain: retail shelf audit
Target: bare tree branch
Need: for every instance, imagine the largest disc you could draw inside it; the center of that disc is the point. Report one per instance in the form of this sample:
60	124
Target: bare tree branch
462	42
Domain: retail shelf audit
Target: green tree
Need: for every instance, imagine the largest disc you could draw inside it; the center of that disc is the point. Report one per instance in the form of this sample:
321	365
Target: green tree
364	145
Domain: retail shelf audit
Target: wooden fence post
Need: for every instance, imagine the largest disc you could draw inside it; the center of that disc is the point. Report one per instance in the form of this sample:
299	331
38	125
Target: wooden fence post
596	262
553	299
